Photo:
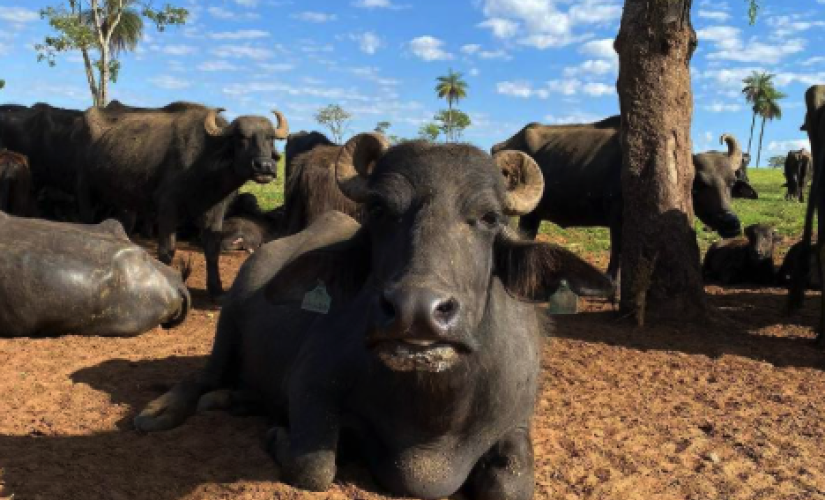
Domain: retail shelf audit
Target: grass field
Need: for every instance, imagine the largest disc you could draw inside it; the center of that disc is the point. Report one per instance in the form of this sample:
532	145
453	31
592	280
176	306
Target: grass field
771	208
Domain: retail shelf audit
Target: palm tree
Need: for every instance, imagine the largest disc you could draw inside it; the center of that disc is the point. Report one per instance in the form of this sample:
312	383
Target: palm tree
769	109
452	88
756	85
128	31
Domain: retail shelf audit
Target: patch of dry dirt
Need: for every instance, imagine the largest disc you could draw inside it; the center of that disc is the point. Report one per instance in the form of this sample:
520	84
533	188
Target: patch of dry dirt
729	410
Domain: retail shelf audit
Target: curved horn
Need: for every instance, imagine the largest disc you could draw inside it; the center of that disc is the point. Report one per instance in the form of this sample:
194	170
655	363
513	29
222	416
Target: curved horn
211	124
355	162
282	132
524	180
734	151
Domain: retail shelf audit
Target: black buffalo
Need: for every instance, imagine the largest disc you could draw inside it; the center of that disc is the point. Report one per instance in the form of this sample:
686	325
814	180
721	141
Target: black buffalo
797	174
582	167
15	184
178	163
58	278
792	259
48	137
815	126
428	353
746	260
310	189
247	226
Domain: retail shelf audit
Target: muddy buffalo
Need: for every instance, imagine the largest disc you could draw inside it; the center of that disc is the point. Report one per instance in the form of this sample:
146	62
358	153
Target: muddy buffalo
746	260
15	184
797	174
178	162
310	188
58	278
582	167
815	126
410	332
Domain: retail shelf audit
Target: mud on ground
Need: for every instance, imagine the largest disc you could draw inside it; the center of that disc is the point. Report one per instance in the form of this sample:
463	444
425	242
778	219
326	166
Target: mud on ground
731	411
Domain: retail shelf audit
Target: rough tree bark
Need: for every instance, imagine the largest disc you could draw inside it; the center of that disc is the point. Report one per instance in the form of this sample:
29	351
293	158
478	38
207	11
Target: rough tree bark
661	276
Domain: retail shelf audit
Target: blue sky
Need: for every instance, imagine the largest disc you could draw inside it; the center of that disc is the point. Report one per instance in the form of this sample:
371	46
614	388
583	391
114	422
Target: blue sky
525	60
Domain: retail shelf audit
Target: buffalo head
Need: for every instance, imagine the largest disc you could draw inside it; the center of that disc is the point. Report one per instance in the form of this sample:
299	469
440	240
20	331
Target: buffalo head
441	249
716	184
250	138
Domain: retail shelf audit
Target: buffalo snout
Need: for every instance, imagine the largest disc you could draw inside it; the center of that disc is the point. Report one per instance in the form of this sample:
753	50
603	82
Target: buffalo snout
727	224
417	314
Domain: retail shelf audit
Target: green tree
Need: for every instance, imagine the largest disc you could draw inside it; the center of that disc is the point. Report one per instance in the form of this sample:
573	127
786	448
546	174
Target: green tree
756	85
382	126
452	123
336	119
105	27
452	88
429	132
753	10
776	161
2	84
769	109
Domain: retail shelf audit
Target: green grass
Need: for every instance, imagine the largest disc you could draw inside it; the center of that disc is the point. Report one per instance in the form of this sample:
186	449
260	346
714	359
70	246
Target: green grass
771	208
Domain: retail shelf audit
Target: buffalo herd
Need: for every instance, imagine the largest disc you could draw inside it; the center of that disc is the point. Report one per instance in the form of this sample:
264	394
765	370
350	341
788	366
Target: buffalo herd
388	300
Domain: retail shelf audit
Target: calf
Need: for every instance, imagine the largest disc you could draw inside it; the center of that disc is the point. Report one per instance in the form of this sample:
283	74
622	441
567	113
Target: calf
58	278
740	260
793	259
413	332
15	184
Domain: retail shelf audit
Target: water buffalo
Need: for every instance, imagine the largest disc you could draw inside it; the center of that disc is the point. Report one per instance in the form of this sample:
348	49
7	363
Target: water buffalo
793	259
15	184
746	260
420	343
58	278
47	136
247	226
797	173
815	126
582	167
178	162
310	188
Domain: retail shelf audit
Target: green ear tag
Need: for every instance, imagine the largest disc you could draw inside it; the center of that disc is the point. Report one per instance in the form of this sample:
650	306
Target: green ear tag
317	300
564	301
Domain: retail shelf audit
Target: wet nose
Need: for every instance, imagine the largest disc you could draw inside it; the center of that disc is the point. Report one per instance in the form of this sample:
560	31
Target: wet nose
263	164
728	225
417	312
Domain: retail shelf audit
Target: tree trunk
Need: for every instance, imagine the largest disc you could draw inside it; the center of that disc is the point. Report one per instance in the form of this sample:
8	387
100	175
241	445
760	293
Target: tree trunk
750	140
448	132
660	272
90	76
761	134
104	76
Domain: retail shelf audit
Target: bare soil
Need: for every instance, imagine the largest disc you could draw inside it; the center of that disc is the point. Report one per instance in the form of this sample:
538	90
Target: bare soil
731	409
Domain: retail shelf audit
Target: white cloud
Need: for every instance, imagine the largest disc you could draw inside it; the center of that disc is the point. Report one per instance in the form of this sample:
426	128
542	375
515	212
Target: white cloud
566	87
234	51
577	117
314	17
429	48
247	3
729	46
476	50
785	146
597	67
170	82
812	61
276	67
603	49
546	23
176	50
377	4
470	48
598	89
368	42
226	14
520	89
219	65
18	15
239	35
720	107
714	15
784	26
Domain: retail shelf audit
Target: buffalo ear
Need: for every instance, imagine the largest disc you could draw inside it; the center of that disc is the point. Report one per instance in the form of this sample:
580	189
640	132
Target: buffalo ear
533	271
742	189
341	267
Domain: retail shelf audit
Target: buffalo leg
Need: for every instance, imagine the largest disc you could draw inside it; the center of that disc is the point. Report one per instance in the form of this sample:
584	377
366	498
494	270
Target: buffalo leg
167	238
212	252
505	472
820	260
529	225
615	251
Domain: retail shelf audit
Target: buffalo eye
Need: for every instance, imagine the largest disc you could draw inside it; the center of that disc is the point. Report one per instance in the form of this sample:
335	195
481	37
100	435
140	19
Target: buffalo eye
490	220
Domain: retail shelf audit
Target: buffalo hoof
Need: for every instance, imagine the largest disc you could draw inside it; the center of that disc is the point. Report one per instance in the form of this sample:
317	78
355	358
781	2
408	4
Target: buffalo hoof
276	443
215	400
164	413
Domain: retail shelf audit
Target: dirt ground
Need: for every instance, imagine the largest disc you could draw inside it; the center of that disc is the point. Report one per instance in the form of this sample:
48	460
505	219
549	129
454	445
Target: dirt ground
731	411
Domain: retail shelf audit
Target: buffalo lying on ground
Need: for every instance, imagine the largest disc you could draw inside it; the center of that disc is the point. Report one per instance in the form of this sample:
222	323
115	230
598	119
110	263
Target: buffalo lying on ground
582	167
58	278
178	162
310	188
15	184
793	259
815	126
797	173
47	136
247	226
409	331
746	260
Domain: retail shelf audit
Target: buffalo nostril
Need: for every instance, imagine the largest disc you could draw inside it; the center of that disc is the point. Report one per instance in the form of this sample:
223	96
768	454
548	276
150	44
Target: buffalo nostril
445	312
